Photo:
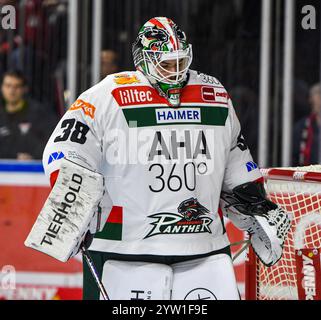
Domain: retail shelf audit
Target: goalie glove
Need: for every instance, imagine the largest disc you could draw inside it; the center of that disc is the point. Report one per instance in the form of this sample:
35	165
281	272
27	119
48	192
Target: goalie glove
266	222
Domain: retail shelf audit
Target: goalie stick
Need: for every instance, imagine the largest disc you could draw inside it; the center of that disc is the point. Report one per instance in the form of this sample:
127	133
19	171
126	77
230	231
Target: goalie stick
93	271
245	243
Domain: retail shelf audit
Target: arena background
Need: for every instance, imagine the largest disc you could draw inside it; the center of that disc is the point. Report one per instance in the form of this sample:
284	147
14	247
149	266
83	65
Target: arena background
257	49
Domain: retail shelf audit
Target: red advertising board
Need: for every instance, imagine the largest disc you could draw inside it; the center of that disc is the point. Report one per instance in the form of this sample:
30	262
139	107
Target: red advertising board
25	273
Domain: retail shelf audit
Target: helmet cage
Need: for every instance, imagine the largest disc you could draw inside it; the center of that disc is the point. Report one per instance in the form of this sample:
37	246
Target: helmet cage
152	60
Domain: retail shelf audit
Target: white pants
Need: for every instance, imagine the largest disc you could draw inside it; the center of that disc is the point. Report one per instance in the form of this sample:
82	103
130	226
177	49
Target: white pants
209	278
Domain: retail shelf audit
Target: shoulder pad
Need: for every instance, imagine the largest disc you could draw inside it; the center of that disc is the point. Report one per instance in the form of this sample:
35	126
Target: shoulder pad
207	79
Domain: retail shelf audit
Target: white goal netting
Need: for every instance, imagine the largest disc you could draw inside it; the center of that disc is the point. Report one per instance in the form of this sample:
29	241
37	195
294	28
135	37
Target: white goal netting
300	195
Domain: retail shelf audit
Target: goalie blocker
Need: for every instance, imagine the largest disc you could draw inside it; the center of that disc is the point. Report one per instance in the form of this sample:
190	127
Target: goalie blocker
68	212
266	222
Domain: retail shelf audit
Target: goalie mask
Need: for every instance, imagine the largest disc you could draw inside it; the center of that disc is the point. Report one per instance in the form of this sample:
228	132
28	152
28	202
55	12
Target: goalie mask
162	53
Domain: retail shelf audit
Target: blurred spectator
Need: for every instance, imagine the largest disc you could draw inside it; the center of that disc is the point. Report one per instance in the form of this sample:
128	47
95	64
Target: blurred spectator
37	46
109	64
25	125
300	100
306	132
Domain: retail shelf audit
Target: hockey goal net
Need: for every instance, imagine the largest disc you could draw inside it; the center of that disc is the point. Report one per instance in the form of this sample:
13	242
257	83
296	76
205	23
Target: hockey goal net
297	276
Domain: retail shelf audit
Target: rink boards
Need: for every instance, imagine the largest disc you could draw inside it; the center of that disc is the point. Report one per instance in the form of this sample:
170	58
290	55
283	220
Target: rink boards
31	275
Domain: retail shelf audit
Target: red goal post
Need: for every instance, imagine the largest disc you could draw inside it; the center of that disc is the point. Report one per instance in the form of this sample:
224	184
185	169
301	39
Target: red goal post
297	275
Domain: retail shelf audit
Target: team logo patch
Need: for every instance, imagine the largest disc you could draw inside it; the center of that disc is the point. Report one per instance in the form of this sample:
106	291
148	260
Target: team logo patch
132	96
55	156
250	166
87	108
125	79
184	115
192	218
208	94
218	95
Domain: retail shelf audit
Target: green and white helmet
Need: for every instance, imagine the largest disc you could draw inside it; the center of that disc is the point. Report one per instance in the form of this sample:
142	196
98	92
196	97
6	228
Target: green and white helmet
161	42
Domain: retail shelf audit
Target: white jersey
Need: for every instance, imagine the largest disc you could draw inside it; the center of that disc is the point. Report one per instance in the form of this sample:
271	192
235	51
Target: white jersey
164	167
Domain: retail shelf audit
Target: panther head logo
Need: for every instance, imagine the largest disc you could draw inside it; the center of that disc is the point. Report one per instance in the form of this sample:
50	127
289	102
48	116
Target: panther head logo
191	209
154	38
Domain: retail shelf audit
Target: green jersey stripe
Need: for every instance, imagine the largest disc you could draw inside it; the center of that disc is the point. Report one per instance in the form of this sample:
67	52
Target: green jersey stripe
111	231
155	116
